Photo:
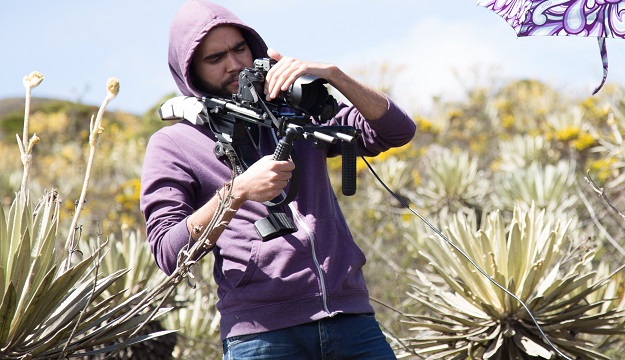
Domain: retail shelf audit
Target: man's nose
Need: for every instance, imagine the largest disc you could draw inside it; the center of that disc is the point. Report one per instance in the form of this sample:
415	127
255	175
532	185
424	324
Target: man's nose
233	63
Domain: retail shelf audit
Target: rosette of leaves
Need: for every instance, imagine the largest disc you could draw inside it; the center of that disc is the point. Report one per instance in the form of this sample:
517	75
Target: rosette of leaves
611	297
549	186
452	180
522	150
48	310
194	315
197	318
132	252
470	317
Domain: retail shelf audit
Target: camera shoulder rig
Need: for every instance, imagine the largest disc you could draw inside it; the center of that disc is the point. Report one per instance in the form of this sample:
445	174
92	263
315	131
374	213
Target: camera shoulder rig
233	121
231	124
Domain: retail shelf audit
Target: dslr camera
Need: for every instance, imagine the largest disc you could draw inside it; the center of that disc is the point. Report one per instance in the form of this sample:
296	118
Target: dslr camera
307	94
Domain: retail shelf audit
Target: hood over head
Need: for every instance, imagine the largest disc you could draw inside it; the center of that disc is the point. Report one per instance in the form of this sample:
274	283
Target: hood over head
190	24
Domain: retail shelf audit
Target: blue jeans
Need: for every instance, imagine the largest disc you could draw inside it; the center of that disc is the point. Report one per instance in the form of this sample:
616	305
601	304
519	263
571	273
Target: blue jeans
344	336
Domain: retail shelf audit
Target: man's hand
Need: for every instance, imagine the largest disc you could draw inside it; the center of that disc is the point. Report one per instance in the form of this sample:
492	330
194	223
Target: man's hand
288	69
263	180
371	103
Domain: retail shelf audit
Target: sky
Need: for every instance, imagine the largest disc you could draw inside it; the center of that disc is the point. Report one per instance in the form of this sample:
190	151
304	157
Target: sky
432	48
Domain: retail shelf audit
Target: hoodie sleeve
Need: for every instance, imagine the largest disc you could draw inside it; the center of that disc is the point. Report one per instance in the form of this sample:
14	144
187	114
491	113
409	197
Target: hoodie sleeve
395	128
166	187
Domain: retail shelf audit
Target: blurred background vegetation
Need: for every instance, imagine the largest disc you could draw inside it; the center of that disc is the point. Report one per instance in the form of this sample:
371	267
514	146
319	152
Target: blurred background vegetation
502	148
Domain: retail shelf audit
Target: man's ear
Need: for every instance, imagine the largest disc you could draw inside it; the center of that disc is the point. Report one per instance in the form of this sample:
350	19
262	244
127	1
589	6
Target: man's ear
193	76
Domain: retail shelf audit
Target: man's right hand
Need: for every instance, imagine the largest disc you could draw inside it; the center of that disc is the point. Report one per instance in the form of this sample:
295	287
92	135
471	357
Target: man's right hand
263	181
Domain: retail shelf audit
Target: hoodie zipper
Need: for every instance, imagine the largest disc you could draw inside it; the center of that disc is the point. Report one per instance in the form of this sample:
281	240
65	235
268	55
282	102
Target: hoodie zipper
311	237
300	221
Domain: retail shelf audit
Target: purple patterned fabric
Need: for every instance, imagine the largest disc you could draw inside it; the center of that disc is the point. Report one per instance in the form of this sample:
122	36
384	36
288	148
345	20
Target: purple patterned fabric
590	18
600	18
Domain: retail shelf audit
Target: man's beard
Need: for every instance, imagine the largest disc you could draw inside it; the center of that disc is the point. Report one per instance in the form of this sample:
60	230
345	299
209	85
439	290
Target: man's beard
215	90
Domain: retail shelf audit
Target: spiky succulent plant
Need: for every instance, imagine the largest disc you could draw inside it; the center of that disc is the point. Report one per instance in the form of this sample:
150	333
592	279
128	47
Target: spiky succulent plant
50	305
197	321
450	179
549	186
469	317
520	151
48	310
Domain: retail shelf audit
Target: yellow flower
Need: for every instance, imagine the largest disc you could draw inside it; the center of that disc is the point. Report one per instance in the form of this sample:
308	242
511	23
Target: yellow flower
568	133
507	121
32	80
361	166
602	169
584	141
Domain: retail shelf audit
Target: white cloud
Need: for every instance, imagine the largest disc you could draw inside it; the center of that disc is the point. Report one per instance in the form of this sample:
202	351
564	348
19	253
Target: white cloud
443	55
437	55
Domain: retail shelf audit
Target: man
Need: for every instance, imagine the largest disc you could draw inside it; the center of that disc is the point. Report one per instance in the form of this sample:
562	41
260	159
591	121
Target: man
298	296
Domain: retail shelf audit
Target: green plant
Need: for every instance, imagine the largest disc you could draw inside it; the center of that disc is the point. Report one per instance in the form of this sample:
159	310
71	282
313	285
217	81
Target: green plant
131	252
451	181
470	317
548	186
522	150
50	306
196	318
49	310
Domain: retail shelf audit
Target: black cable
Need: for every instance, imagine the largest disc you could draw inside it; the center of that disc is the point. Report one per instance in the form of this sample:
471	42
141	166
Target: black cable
439	233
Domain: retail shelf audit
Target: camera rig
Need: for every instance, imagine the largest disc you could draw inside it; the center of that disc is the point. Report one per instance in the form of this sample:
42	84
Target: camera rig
233	121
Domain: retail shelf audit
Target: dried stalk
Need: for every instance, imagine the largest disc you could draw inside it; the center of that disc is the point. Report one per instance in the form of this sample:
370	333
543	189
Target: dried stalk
26	146
593	215
599	190
187	258
95	130
82	313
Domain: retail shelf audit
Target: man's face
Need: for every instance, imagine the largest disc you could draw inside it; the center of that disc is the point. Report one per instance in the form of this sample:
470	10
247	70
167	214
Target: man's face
219	58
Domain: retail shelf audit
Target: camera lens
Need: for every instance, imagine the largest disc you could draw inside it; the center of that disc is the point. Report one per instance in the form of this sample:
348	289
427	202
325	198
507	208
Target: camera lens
309	94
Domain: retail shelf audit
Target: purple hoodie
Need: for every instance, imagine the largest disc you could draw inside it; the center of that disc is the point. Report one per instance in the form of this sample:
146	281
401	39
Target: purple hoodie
301	277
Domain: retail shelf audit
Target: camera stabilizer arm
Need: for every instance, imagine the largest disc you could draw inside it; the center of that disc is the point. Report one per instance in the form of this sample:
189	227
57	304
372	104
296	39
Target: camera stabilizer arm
232	123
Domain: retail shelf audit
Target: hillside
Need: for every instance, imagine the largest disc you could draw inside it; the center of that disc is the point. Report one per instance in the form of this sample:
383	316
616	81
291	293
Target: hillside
60	156
10	105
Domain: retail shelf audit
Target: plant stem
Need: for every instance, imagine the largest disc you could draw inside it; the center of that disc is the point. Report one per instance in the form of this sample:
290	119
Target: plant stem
26	118
94	136
23	144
